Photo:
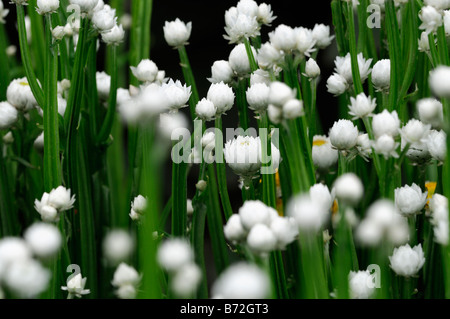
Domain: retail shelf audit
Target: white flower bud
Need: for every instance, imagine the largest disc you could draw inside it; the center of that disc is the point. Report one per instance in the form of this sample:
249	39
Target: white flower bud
75	287
238	59
103	85
47	6
60	198
431	112
321	195
86	6
177	94
336	84
436	144
239	26
20	96
349	189
8	138
255	212
126	279
312	69
265	14
174	253
115	36
146	71
440	81
292	109
343	135
364	145
275	114
261	240
285	231
258	97
222	96
117	246
206	110
247	7
305	41
170	122
11	51
414	131
58	33
386	146
104	19
177	33
280	93
283	38
407	261
386	123
8	115
381	75
424	44
344	67
321	34
233	230
189	208
362	106
269	56
27	279
186	280
361	284
309	215
431	19
3	12
410	200
323	155
221	71
44	239
12	249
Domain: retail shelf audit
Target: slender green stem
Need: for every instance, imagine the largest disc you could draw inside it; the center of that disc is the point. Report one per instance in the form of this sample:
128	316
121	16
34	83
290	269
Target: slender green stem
278	274
189	78
353	50
251	58
4	65
8	212
179	199
241	101
339	26
267	171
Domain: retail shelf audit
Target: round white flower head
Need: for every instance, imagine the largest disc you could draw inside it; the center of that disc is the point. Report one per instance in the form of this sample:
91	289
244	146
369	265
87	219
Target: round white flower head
242	154
265	14
364	145
75	287
440	81
260	76
11	50
238	60
344	67
20	96
362	106
438	4
436	144
47	6
275	114
321	194
414	131
268	56
323	155
60	198
305	41
117	246
292	109
258	97
115	36
321	34
27	279
431	19
12	249
283	38
222	96
221	71
336	84
48	213
208	138
343	135
361	284
285	231
407	261
8	115
255	212
439	209
174	253
206	110
242	281
3	13
386	123
312	69
44	239
369	233
126	280
186	280
103	85
247	7
123	96
309	215
139	204
381	75
177	94
410	200
177	33
233	229
431	112
239	26
386	146
349	188
280	93
104	19
423	43
86	6
146	71
261	239
172	124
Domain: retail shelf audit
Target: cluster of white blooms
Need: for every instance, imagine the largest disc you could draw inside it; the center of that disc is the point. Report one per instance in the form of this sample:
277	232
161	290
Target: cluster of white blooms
439	218
138	207
20	273
52	204
126	279
407	261
177	257
242	281
75	286
283	104
361	285
382	221
260	228
118	246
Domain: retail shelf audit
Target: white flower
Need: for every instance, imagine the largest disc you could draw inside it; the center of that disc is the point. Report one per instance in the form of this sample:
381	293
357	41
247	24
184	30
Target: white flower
206	110
344	67
123	96
255	212
58	32
364	145
103	85
221	71
238	59
261	239
410	200
280	93
407	261
414	131
115	36
222	96
440	81
138	207
12	249
361	284
75	287
436	144
8	115
20	96
423	43
431	112
27	278
343	135
258	97
177	33
386	146
174	253
381	75
269	56
418	152
292	109
369	233
283	38
233	229
239	26
3	13
44	239
242	281
439	219
169	123
47	6
126	280
285	231
309	214
186	280
265	14
386	123
177	94
48	213
431	19
146	71
312	69
60	198
86	6
11	50
247	7
305	41
438	4
321	34
447	22
362	106
104	19
349	188
8	138
336	84
323	155
275	114
117	246
321	194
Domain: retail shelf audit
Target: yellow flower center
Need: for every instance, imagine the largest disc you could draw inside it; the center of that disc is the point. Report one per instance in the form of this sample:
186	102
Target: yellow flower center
319	142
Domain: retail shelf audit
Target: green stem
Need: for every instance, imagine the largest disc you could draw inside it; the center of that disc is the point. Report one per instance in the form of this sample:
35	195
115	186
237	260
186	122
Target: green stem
4	65
241	101
353	51
251	58
394	52
339	26
267	171
179	199
189	78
